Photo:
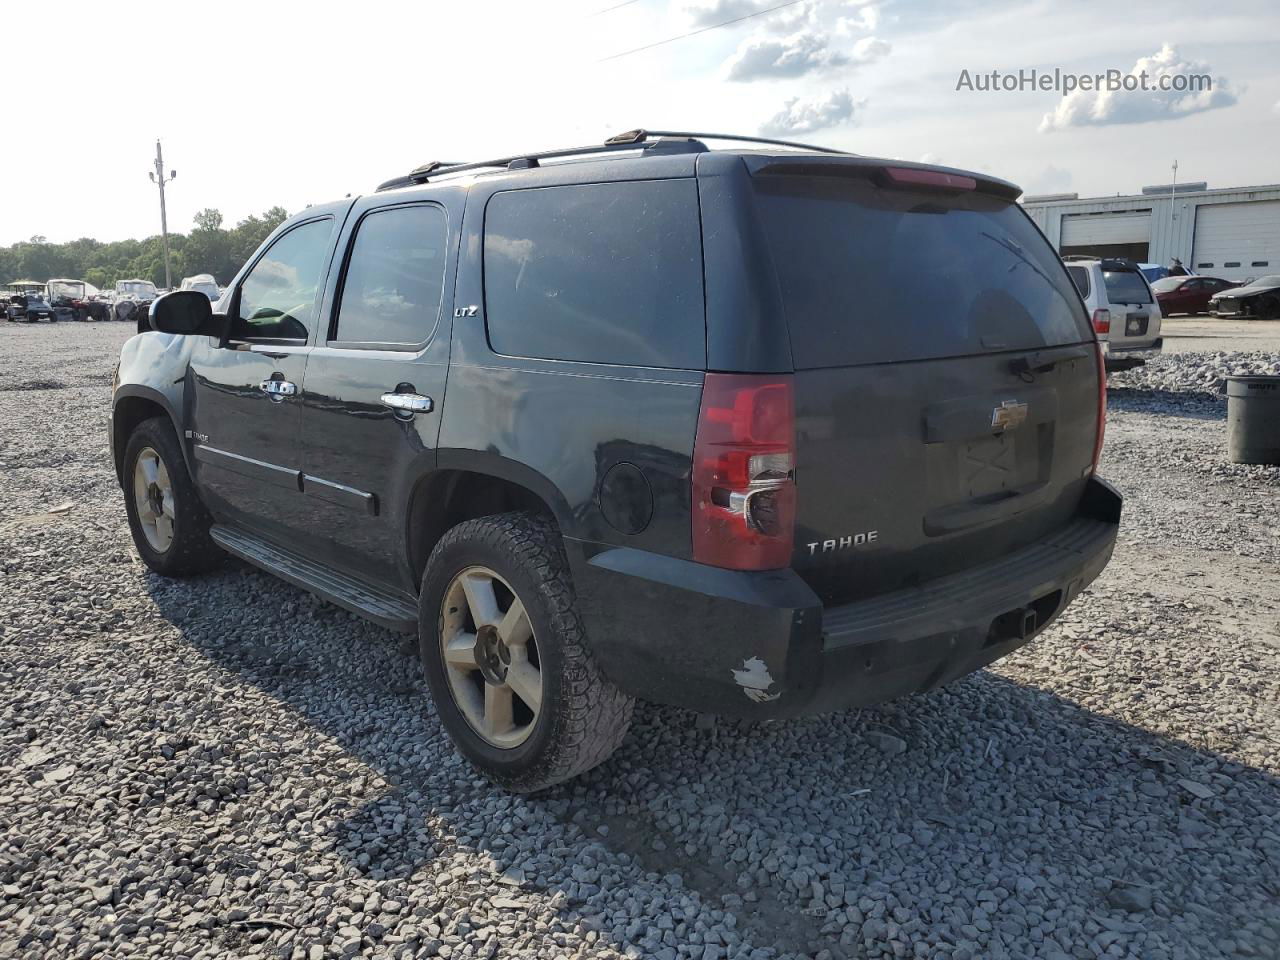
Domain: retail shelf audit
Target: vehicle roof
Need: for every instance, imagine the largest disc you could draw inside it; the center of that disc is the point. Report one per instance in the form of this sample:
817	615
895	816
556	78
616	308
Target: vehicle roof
671	154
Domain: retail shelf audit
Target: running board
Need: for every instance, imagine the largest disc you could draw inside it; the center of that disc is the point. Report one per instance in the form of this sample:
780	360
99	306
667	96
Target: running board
382	607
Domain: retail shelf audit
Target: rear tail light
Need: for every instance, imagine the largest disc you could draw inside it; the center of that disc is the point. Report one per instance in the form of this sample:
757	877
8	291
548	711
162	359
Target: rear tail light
1102	407
744	495
1102	321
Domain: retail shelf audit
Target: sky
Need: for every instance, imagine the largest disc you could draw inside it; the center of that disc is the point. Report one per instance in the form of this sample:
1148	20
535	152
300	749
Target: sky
266	103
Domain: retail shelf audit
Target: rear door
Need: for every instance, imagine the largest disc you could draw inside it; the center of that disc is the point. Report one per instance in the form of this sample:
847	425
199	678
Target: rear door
374	390
945	376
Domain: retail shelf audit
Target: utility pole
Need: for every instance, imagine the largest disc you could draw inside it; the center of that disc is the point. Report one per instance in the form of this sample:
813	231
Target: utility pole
158	178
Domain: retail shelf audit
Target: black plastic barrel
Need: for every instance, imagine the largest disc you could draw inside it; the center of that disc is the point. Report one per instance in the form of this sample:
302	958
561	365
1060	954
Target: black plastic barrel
1253	419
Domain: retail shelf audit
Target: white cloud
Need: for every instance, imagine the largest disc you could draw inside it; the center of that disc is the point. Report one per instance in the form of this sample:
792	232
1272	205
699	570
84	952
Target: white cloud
866	17
762	58
805	115
705	13
870	49
1097	108
791	19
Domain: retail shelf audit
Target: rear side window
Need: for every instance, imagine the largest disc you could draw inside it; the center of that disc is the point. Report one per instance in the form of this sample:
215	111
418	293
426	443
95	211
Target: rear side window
872	275
391	292
1080	277
1126	286
601	272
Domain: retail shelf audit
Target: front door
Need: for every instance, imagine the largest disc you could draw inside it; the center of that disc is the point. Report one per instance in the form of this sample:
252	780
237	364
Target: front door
375	387
246	393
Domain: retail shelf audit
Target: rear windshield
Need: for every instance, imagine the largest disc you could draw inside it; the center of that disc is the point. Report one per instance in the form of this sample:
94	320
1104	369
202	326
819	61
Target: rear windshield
1126	286
1165	285
871	275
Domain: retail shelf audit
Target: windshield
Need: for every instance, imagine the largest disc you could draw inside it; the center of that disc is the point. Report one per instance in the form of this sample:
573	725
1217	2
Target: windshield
1271	281
1168	283
874	275
140	288
1126	286
63	288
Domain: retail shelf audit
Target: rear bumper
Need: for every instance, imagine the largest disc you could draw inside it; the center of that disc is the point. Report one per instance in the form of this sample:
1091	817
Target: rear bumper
761	645
1135	349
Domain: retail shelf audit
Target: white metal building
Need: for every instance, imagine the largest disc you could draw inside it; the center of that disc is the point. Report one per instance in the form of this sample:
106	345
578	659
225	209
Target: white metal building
1232	233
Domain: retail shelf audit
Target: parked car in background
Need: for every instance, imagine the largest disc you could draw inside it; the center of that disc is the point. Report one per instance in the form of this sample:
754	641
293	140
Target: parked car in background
132	298
630	426
1122	308
77	300
204	283
1188	294
1153	271
28	302
1257	299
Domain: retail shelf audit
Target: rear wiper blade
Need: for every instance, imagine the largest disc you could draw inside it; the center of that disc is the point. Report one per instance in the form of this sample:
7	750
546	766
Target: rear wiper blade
1035	363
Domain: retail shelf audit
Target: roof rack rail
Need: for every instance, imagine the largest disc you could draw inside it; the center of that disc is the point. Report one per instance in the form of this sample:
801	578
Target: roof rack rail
641	135
668	141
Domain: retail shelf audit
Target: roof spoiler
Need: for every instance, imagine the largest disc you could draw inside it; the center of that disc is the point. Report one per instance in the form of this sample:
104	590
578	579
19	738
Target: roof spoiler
896	173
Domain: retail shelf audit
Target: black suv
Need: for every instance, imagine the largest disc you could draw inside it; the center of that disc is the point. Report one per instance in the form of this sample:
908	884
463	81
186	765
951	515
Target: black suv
759	432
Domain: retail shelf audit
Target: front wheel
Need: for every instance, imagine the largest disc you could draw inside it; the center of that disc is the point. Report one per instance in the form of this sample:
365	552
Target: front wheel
506	656
170	525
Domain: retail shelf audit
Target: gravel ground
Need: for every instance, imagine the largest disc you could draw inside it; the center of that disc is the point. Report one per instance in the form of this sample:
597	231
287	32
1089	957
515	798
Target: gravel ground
225	767
1203	333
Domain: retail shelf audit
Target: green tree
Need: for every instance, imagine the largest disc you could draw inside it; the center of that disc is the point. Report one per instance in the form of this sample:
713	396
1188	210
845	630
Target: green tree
209	248
208	219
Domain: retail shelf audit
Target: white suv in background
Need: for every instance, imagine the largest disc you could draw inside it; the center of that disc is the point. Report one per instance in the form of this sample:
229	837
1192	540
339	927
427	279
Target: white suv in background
1124	311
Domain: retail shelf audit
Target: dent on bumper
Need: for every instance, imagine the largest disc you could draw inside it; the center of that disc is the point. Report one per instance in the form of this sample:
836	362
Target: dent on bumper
761	645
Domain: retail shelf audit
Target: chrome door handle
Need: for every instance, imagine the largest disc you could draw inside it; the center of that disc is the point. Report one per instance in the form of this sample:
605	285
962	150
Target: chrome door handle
407	403
277	390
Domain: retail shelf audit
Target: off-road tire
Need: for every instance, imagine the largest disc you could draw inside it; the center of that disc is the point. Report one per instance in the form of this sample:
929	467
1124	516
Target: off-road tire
192	550
583	717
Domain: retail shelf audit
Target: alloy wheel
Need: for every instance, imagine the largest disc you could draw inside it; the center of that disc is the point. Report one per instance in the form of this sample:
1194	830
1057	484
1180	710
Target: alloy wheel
153	497
491	657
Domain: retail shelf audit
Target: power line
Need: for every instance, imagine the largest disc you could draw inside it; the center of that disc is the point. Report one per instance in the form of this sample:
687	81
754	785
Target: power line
616	6
694	33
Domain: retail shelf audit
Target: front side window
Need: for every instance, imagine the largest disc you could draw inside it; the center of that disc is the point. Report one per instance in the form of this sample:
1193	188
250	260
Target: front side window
395	276
278	298
597	272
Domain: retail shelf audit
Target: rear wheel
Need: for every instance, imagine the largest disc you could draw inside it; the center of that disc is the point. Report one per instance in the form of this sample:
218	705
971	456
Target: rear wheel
170	525
506	657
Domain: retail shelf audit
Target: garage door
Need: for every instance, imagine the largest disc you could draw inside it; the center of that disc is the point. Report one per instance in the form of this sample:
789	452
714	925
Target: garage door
1237	240
1104	229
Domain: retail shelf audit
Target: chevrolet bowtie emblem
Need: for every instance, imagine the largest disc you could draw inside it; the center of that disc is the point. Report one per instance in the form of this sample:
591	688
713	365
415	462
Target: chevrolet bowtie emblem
1009	414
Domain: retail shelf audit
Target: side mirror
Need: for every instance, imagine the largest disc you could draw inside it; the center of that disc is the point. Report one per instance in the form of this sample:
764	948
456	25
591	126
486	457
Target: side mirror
186	312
